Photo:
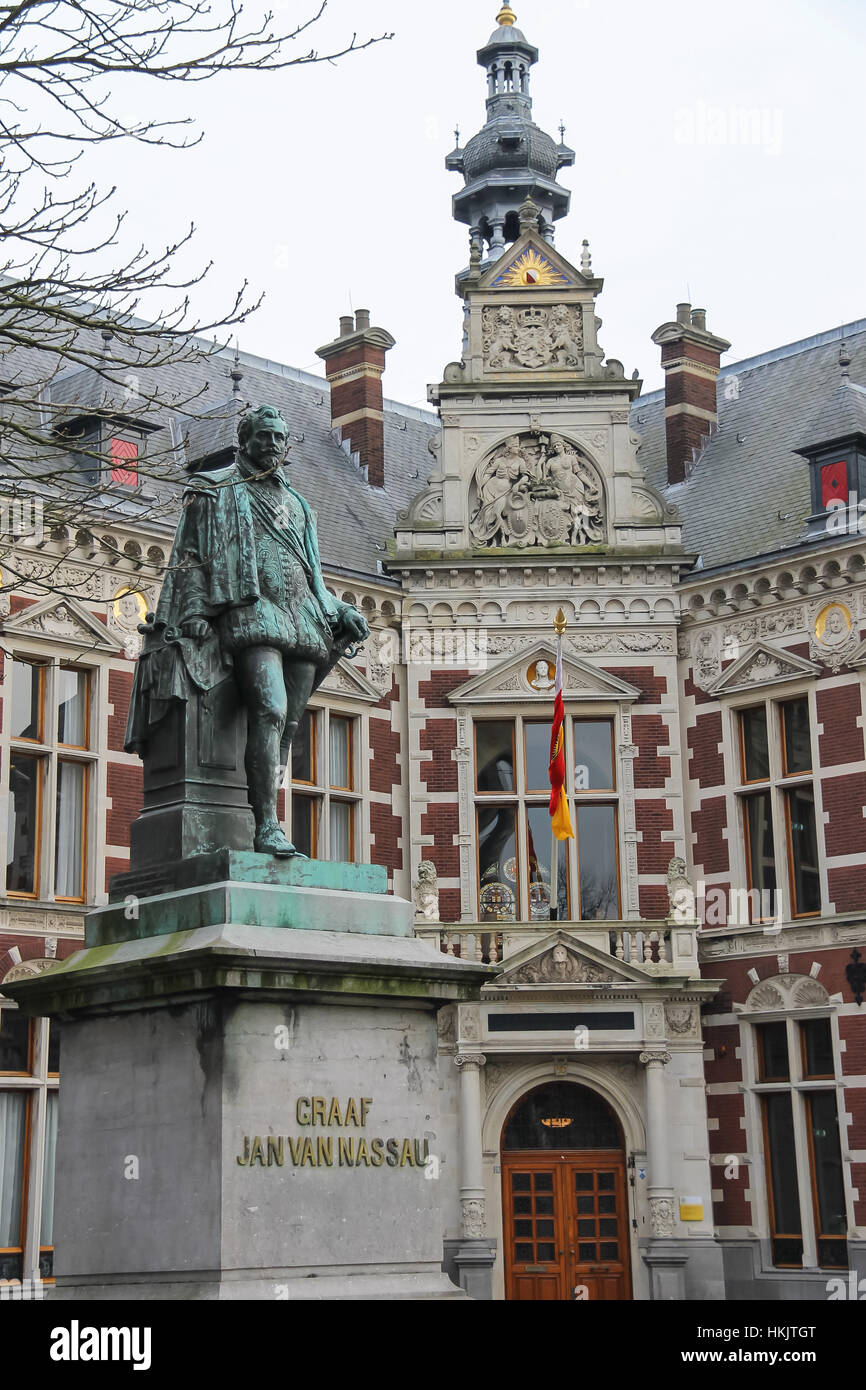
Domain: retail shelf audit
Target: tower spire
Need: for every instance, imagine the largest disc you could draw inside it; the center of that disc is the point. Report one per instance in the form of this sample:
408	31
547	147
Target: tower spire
511	158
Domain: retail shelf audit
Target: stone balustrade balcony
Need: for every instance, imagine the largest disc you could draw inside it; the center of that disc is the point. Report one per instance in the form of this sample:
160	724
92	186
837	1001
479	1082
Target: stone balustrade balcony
659	948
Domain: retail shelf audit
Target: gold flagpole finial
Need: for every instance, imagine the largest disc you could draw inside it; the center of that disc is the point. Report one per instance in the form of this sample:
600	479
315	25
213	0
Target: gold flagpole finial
506	16
560	622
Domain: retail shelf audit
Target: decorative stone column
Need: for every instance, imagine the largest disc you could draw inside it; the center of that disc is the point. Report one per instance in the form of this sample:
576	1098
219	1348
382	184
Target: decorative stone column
497	239
658	1158
472	1214
667	1267
475	1254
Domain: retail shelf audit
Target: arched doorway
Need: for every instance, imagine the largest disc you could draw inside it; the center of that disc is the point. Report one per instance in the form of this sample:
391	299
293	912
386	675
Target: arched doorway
564	1197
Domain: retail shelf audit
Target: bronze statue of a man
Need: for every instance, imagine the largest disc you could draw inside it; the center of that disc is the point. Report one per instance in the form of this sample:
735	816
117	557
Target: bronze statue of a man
244	592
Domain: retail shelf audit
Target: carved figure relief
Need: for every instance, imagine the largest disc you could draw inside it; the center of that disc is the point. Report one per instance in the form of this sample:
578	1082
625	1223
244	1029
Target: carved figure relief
532	337
662	1216
536	491
559	966
707	665
833	637
541	677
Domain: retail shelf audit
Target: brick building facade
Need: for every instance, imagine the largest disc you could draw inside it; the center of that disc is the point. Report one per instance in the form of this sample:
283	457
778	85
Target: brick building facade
668	1068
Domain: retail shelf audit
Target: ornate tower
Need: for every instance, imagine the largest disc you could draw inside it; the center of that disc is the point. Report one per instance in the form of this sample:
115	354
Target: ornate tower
511	158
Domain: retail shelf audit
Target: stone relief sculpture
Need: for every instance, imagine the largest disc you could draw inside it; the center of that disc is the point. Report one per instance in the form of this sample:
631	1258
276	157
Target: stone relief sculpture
536	490
559	966
532	338
833	636
426	892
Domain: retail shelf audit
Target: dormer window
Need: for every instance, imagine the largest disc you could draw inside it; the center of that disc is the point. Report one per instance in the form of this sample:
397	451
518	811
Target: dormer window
124	462
836	454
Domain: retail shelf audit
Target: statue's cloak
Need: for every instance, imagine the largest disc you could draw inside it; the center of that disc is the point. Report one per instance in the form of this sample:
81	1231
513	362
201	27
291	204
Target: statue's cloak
213	569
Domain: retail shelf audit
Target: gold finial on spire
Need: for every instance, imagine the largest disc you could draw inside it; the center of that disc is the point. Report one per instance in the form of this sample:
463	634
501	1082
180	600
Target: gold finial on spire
506	15
559	623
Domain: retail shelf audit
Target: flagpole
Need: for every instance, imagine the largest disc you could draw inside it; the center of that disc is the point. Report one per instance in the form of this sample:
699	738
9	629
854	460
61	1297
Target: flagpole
559	626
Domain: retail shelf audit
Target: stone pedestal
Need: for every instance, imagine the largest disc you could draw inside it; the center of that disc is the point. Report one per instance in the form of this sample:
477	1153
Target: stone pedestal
250	1093
195	786
667	1272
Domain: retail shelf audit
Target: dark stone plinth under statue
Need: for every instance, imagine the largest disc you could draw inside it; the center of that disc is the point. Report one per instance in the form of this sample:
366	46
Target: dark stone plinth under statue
195	785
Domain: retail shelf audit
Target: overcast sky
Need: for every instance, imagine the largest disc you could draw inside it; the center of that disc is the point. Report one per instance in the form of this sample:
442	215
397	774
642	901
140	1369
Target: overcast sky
719	158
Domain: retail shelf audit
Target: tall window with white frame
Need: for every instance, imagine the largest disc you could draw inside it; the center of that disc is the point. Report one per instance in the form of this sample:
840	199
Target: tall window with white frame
513	828
796	1086
777	809
50	771
325	800
29	1074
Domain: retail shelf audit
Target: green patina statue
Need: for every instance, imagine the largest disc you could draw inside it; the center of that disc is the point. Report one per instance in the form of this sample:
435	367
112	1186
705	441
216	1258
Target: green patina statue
244	594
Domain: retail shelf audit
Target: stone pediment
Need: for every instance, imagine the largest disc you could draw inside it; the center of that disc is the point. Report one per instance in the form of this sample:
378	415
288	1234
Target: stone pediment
345	681
858	656
63	620
532	263
518	677
560	961
762	665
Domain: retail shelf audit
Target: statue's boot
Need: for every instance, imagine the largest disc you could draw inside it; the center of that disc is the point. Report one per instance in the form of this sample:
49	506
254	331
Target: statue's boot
273	841
265	773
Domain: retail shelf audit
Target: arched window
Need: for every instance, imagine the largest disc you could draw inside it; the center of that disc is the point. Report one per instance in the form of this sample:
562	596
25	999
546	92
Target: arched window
561	1115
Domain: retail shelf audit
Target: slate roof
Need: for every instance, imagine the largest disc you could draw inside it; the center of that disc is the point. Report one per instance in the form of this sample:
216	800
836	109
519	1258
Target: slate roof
748	492
355	520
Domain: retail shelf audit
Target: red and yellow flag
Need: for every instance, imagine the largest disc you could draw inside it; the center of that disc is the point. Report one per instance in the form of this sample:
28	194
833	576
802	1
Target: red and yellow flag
559	812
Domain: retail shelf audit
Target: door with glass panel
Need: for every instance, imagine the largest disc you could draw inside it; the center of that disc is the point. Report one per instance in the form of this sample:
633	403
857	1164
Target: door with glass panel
565	1208
598	1226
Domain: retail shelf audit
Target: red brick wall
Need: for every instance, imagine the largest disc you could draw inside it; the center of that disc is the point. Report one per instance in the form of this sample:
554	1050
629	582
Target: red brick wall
844	799
650	733
852	1032
386	830
439	736
647	680
442	821
435	690
842	740
653	853
119	691
708	822
706	763
385	747
125	792
847	887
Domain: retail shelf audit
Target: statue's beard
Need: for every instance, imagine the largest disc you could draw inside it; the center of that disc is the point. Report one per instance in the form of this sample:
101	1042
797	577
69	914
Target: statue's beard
265	463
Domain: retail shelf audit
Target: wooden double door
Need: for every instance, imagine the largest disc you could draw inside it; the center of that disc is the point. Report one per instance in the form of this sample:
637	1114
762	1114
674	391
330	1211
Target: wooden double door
566	1226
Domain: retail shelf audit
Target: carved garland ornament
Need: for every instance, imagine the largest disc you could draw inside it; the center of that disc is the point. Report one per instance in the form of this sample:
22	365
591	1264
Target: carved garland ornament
537	490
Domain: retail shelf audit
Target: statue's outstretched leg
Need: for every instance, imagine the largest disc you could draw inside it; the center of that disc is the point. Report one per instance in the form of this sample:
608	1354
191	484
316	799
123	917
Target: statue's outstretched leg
263	688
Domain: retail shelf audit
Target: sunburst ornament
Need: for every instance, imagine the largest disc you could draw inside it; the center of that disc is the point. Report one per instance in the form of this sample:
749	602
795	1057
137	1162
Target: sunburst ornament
530	269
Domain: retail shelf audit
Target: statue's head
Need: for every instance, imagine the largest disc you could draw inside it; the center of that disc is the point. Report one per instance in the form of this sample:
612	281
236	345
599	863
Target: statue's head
263	437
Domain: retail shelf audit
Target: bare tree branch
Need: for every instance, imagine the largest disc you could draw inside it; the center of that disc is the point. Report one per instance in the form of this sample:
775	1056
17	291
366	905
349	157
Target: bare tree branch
88	353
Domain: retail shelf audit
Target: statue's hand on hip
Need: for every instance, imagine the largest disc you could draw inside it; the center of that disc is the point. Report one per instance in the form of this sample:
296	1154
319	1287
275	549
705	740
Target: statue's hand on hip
196	627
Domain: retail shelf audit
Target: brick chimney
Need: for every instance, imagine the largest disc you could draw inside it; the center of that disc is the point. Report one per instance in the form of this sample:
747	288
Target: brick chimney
691	357
354	364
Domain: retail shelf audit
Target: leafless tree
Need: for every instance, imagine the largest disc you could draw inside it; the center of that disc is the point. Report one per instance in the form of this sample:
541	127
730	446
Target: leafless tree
70	328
